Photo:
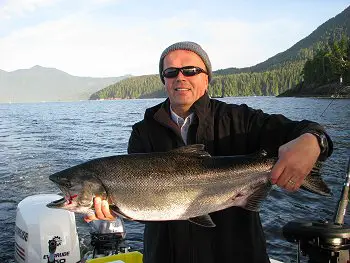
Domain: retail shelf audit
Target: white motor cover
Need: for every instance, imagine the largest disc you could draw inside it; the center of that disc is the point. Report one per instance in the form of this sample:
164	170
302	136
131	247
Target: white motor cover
36	224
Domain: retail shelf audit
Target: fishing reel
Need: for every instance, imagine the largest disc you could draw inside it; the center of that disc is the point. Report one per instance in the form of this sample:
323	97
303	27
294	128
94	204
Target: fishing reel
323	242
108	237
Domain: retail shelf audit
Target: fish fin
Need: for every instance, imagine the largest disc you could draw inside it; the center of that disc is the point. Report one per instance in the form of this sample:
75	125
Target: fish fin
115	209
263	153
194	149
314	182
254	200
204	220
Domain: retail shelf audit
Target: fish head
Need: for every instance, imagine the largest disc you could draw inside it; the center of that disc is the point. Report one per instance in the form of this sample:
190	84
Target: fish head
79	186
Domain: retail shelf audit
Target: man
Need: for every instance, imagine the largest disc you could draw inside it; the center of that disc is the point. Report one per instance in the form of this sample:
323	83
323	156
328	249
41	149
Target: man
189	116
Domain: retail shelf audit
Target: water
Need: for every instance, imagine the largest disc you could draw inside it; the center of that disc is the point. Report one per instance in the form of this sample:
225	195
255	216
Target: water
39	139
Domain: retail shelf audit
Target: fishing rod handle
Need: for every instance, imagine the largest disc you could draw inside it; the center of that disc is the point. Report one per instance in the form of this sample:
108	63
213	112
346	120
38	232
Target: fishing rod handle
344	199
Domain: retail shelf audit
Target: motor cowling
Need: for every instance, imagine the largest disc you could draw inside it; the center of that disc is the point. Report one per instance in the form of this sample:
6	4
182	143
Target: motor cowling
39	227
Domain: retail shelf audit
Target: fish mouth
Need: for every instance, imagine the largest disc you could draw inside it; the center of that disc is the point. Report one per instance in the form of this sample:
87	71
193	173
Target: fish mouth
67	200
73	204
57	203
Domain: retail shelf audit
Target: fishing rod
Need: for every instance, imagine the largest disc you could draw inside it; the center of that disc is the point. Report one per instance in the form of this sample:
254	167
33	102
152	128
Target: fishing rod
323	242
337	92
344	200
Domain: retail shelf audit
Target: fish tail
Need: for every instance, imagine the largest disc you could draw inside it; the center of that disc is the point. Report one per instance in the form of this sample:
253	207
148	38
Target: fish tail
314	182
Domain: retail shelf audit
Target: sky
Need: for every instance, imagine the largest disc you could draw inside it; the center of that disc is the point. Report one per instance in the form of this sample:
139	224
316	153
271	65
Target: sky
111	38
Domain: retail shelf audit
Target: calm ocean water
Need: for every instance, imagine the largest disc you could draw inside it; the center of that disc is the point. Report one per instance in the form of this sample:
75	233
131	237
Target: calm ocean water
39	139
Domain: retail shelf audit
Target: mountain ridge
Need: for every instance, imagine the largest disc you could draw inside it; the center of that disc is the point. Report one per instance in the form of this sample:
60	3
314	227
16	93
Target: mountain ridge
50	84
39	83
308	42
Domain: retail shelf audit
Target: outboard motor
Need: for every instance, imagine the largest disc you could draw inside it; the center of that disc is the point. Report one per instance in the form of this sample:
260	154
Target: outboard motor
108	237
43	234
323	242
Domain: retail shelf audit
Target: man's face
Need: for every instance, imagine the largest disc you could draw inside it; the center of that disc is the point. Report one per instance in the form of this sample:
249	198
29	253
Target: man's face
184	91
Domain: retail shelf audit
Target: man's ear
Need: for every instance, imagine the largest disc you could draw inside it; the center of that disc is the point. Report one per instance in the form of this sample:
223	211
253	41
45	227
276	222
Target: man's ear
207	84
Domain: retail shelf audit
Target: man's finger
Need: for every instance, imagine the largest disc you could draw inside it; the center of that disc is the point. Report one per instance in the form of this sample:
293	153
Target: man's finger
89	218
98	207
290	179
105	210
287	182
276	171
286	178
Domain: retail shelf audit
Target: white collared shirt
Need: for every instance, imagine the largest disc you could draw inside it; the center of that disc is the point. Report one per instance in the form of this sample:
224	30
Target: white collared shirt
184	124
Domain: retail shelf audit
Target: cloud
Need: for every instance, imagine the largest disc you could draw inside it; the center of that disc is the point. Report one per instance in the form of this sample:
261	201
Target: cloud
234	43
14	8
111	38
77	44
82	46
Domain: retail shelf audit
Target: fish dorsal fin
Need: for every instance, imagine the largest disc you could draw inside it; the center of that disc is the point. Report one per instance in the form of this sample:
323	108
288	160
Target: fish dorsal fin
254	201
263	153
204	220
260	154
117	211
193	149
314	183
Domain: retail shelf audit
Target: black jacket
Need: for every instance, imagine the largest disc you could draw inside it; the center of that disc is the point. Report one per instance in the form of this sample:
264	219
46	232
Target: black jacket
224	129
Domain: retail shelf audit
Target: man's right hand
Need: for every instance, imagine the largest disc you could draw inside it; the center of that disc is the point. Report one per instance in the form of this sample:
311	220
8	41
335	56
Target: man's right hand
102	211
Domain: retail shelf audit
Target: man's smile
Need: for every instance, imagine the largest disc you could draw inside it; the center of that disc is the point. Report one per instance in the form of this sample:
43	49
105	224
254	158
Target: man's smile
182	89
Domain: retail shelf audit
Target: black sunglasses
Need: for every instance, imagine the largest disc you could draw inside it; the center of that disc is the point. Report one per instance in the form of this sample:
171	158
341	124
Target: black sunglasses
187	71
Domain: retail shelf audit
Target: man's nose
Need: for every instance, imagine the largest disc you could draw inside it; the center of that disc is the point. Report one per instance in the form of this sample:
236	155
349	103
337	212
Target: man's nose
180	75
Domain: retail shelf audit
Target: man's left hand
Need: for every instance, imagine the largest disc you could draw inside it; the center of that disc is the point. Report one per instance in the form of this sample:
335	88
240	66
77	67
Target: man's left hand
295	161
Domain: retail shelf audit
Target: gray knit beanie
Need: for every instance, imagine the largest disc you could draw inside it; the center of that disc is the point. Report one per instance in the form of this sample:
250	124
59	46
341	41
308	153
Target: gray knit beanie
186	45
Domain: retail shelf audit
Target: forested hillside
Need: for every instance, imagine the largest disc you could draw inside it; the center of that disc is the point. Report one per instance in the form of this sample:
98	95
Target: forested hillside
327	73
274	76
148	86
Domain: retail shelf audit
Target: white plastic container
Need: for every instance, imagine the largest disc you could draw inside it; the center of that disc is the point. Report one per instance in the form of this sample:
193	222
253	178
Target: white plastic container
37	224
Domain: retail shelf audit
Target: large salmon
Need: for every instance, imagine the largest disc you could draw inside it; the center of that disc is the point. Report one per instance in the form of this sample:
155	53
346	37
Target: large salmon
183	184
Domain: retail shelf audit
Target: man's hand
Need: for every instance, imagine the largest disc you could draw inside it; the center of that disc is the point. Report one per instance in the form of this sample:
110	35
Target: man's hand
102	211
295	161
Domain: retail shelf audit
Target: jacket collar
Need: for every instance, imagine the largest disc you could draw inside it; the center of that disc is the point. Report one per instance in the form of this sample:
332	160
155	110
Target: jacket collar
161	113
201	107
